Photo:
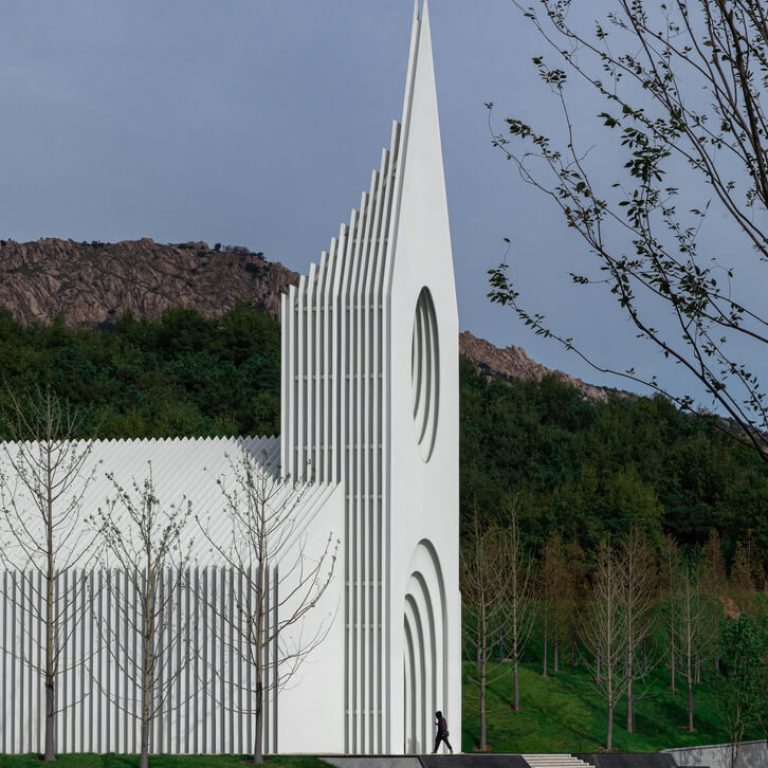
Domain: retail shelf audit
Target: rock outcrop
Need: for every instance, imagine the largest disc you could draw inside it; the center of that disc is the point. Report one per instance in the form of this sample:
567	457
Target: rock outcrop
91	283
512	364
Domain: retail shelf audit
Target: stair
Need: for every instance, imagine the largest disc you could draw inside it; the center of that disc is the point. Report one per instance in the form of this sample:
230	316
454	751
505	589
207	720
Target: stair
555	761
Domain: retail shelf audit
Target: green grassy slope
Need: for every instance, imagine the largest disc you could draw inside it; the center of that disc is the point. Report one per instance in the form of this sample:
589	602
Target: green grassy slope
564	713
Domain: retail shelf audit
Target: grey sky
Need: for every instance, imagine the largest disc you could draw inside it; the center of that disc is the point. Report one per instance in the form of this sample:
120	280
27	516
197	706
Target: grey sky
258	122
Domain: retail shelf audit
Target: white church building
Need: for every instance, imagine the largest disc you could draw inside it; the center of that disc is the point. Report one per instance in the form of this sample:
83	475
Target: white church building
369	430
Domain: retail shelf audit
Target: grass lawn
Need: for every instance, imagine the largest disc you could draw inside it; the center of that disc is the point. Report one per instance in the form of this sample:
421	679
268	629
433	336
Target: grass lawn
564	713
91	760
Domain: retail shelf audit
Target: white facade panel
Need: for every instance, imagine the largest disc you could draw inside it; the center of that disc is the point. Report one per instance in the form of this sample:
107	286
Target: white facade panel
369	419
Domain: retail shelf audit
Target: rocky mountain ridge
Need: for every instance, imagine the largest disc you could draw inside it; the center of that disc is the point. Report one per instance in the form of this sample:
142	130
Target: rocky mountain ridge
513	364
93	283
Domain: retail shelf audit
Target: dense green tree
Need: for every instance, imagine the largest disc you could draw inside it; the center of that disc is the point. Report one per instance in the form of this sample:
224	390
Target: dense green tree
743	684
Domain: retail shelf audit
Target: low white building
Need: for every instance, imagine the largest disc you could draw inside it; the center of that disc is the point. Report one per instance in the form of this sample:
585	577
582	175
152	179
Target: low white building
370	425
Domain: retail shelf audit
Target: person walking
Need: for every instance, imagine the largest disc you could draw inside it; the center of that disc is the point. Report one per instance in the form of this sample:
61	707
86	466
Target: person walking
442	733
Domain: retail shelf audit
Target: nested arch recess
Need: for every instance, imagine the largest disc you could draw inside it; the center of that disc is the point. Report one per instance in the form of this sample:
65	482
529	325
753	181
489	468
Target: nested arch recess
425	372
425	648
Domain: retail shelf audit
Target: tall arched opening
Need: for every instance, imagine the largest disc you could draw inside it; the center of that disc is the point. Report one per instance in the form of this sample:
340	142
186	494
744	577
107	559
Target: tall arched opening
424	649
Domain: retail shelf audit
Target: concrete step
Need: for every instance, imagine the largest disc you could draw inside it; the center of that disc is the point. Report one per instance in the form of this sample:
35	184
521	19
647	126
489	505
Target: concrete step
554	761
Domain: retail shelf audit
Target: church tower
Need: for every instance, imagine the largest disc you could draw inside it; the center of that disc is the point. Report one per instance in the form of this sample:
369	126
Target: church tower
370	404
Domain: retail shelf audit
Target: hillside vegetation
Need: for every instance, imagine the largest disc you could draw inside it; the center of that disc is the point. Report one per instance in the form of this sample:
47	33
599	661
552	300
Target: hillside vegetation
182	375
583	467
588	469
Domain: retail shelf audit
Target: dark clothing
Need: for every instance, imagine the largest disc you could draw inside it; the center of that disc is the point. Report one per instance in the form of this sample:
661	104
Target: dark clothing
442	734
442	737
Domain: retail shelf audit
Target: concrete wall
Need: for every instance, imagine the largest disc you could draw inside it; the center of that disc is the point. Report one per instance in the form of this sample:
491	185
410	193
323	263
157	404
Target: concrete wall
751	754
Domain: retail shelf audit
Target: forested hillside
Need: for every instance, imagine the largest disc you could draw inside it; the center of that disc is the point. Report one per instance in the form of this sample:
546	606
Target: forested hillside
181	375
576	465
587	468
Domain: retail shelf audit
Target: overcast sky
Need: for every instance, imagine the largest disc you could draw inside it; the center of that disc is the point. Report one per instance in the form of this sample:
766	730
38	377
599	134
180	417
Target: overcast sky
258	122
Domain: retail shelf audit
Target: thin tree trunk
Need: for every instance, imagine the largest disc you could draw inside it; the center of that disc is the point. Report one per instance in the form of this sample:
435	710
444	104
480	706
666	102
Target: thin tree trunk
144	755
483	719
483	658
50	710
690	705
573	653
515	647
689	656
672	672
672	654
556	655
50	618
609	739
630	675
146	711
258	741
258	746
689	679
629	661
516	676
147	681
609	679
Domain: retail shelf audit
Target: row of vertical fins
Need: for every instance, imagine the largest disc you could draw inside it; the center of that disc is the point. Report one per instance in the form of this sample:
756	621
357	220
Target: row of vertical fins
333	423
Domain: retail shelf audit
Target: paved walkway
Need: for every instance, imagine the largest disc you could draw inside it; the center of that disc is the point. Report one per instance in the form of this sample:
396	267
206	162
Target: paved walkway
473	760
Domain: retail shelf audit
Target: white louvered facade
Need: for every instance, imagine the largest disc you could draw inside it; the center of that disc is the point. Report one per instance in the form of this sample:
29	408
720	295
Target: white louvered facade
370	420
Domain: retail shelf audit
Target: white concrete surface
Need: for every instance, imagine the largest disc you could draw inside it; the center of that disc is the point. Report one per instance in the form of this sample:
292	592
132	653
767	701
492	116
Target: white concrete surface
370	421
749	754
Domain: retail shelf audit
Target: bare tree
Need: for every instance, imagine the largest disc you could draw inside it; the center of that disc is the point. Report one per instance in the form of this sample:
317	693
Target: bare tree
550	587
742	587
669	592
43	480
715	586
713	563
682	92
693	626
283	580
484	582
144	545
638	563
604	631
519	597
574	596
